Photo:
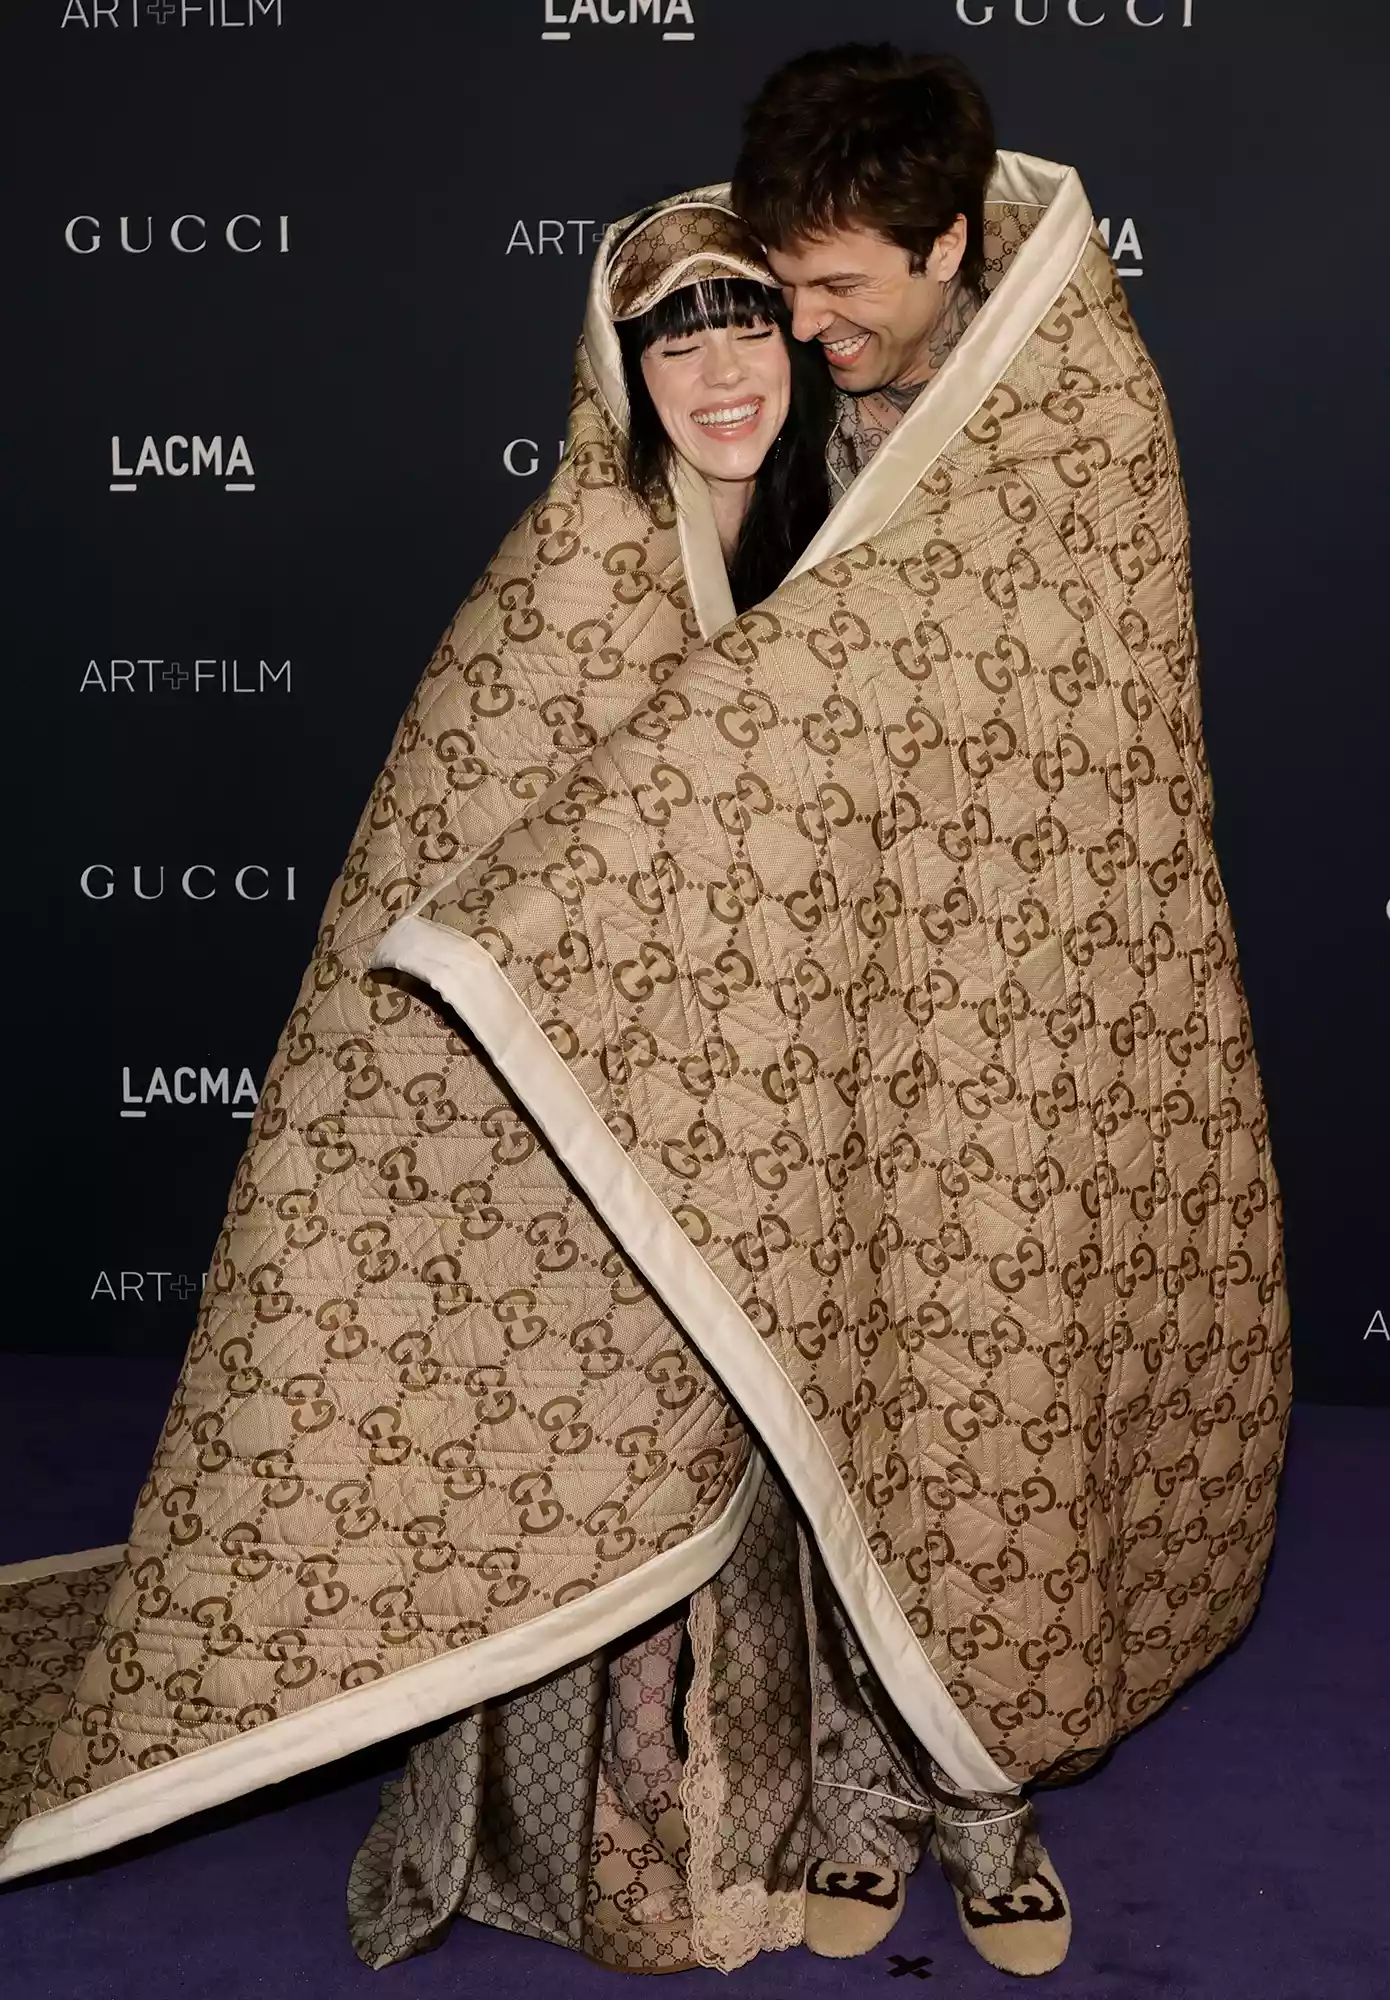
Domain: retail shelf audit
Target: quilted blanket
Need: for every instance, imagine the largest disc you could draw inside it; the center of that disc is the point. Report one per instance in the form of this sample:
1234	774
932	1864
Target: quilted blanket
821	1026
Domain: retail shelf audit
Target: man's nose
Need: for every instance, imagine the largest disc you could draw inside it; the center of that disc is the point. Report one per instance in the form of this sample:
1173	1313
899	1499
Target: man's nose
808	318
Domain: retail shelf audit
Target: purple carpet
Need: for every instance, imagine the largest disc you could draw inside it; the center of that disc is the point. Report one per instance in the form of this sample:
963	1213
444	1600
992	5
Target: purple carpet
1232	1850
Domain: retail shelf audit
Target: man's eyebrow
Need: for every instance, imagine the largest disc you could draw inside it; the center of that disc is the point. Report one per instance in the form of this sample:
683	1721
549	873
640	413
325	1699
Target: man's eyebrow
839	278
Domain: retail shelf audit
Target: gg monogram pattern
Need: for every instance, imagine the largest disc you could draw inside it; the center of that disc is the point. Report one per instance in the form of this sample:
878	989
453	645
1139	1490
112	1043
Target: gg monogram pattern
885	932
427	1397
888	939
679	246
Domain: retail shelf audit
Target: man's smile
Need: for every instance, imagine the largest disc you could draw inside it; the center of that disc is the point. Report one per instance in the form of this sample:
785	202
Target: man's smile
840	353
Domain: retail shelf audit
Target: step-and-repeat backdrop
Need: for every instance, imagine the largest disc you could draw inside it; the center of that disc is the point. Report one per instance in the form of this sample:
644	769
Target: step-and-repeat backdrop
298	282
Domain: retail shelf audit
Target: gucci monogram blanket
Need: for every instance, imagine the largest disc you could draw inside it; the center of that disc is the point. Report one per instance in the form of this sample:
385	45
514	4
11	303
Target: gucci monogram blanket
820	1027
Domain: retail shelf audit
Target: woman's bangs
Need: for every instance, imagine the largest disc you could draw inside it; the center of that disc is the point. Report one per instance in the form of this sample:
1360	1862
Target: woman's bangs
712	303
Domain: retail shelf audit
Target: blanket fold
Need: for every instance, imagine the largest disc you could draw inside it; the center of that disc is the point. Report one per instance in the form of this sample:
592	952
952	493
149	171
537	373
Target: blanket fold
821	1027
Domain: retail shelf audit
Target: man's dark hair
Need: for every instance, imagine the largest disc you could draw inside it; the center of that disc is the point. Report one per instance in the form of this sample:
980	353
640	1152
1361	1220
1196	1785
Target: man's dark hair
865	135
791	492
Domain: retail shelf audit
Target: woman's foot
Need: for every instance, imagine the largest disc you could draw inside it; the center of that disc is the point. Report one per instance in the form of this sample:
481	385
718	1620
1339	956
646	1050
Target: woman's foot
850	1907
1027	1928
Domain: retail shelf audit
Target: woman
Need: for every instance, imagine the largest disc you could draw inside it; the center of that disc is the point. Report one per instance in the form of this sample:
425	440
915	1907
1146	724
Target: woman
729	1779
718	391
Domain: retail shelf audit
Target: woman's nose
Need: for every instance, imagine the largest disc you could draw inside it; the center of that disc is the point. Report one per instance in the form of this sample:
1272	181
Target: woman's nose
723	362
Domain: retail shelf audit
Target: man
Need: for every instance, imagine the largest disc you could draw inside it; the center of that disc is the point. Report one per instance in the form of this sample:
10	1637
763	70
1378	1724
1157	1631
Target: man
865	173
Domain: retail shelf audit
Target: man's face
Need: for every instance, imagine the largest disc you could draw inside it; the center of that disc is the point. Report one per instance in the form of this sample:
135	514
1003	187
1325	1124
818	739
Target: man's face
856	294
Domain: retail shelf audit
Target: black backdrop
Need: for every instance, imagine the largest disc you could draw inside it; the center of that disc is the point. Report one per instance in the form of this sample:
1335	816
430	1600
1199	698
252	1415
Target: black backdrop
388	209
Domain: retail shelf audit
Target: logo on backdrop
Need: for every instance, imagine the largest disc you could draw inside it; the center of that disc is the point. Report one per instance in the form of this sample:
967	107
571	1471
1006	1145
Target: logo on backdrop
146	1288
172	13
189	234
1078	13
563	18
522	456
186	1085
1126	251
180	457
548	233
200	676
199	882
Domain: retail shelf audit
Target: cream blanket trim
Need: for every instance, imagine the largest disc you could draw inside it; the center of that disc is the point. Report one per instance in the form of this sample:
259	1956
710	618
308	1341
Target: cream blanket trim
469	981
358	1717
42	1566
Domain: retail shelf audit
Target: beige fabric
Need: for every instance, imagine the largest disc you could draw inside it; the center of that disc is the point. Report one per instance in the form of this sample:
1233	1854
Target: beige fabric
679	244
939	1128
865	982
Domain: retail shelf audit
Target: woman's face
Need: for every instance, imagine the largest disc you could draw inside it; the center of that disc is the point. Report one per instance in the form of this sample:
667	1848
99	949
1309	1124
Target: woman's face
722	395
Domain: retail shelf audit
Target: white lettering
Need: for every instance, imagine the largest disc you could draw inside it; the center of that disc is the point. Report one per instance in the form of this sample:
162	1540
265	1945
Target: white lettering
239	459
972	20
176	234
1127	243
679	10
1377	1325
519	239
207	456
551	235
149	459
552	19
103	1288
584	10
139	891
1132	9
245	1088
522	471
158	1088
252	868
118	471
180	1072
284	234
176	470
1022	18
1080	20
129	1096
95	243
97	895
199	868
212	1087
88	681
271	675
244	249
136	1287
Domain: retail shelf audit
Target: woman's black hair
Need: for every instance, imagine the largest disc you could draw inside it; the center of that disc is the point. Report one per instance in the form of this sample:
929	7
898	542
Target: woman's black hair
791	492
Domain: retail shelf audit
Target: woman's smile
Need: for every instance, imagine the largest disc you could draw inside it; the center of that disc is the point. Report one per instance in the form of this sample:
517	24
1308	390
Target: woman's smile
731	420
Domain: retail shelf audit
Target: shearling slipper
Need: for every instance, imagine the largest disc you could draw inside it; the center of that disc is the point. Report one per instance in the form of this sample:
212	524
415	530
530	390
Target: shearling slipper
850	1908
1026	1931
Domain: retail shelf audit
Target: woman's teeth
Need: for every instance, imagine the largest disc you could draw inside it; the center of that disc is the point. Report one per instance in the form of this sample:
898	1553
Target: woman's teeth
722	420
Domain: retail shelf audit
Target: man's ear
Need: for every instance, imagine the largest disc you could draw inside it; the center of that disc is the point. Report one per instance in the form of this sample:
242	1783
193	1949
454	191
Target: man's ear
947	252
